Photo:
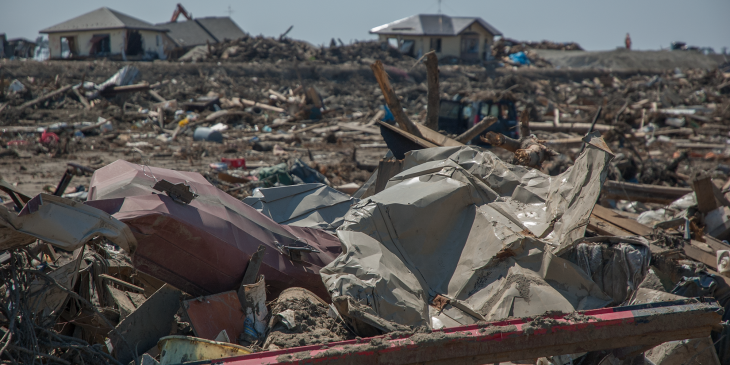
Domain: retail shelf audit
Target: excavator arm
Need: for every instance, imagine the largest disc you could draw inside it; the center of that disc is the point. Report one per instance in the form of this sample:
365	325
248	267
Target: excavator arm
178	11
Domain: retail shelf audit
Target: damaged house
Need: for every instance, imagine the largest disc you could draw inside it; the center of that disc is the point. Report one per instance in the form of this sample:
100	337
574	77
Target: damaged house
468	39
105	32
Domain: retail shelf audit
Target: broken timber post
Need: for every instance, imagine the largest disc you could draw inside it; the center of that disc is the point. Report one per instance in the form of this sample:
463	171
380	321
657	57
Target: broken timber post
432	69
476	130
703	187
500	140
392	100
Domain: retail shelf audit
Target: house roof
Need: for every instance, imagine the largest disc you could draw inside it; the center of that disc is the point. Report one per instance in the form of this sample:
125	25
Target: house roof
102	18
201	30
432	24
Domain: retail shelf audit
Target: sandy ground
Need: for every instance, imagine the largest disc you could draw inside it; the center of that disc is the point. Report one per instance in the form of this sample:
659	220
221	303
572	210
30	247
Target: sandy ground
628	60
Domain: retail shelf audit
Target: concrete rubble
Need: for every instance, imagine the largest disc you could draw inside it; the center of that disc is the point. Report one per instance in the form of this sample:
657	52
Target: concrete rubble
263	200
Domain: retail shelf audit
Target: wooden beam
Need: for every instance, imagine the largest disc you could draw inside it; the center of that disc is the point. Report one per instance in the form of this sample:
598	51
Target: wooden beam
627	224
157	96
432	71
436	137
256	104
418	140
44	97
82	99
568	127
642	192
476	130
121	282
392	100
703	188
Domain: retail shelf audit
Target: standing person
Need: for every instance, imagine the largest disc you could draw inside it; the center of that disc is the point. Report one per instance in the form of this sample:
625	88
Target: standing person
628	41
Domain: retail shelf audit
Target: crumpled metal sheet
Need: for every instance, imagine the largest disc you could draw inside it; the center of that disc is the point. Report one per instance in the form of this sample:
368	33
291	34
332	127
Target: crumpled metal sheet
306	205
204	247
460	223
64	223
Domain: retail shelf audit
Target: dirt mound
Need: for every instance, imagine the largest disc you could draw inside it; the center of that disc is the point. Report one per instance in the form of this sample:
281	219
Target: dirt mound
628	60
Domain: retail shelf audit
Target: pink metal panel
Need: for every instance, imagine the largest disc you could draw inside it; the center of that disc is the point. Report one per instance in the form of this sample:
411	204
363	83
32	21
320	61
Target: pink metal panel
203	248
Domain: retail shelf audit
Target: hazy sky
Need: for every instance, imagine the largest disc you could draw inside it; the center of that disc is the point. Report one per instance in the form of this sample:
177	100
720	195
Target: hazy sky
596	25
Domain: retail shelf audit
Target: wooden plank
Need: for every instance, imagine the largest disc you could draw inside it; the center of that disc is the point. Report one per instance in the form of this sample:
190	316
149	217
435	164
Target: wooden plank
44	97
476	130
121	282
359	128
392	100
157	96
623	222
434	100
82	99
418	140
568	127
253	103
605	228
436	137
704	192
642	192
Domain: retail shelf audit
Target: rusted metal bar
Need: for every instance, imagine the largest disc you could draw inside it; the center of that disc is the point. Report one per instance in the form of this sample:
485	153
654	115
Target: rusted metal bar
600	329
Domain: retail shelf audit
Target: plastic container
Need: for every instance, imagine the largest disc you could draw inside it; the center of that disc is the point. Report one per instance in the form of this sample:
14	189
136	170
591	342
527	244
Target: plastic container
207	134
179	349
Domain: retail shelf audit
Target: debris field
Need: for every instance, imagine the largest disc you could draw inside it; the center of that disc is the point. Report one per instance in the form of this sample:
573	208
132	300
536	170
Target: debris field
267	201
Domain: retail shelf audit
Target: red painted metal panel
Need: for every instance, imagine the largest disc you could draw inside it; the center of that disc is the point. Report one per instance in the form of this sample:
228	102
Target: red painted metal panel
212	314
204	247
348	351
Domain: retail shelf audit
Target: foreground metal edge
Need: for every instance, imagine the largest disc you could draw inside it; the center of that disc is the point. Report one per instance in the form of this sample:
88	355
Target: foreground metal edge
600	329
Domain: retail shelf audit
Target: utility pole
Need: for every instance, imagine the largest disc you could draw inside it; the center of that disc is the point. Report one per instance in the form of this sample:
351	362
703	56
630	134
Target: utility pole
229	11
439	6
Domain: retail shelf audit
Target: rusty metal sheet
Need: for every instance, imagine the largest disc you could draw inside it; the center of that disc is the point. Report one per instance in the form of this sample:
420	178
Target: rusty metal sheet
212	314
203	247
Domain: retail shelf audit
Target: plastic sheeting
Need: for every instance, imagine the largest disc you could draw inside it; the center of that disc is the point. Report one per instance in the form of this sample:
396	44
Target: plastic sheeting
306	205
617	264
460	223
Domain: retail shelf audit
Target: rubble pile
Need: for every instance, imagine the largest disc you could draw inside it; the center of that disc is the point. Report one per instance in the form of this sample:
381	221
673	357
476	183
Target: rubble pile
266	49
252	211
504	47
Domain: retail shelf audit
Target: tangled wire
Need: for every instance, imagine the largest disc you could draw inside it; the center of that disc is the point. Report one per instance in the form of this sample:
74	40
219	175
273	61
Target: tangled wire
27	334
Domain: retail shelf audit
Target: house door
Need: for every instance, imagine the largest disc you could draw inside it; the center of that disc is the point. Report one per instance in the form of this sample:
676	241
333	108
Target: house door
470	47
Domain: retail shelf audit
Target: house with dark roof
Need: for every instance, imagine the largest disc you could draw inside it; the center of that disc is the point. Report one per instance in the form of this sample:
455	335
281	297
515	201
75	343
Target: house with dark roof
200	31
467	38
105	32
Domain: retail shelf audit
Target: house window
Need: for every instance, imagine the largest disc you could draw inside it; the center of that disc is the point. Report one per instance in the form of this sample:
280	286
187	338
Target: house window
436	44
100	44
